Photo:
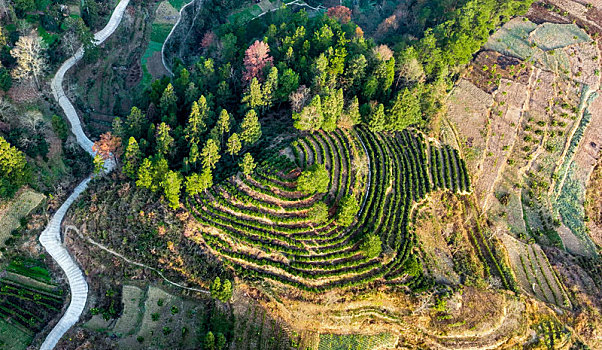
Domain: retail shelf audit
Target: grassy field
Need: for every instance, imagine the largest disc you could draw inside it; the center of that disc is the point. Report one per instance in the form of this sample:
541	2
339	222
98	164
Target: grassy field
166	16
17	209
160	31
357	342
178	4
13	338
245	15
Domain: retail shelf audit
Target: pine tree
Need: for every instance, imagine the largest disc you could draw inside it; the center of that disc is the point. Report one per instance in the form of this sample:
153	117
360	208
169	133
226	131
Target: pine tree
320	71
371	246
13	166
196	123
223	124
99	164
196	183
193	155
376	123
132	158
348	209
209	341
351	116
405	110
314	179
220	341
168	104
254	97
135	122
182	81
160	170
216	287
118	128
355	73
163	139
226	291
233	146
145	174
250	128
172	186
191	93
288	82
269	88
210	154
247	165
332	109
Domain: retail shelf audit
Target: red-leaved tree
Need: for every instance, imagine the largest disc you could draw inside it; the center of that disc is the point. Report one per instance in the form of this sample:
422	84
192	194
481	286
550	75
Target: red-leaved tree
108	146
208	39
256	59
341	13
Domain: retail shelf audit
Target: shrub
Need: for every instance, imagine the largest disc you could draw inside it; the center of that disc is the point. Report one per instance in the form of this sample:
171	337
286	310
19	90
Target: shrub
315	179
348	209
318	213
371	246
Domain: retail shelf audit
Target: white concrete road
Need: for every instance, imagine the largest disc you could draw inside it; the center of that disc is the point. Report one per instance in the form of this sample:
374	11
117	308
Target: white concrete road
51	236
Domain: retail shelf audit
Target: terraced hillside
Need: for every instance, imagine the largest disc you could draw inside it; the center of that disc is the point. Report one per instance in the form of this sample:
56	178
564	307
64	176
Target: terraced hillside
526	117
28	301
267	228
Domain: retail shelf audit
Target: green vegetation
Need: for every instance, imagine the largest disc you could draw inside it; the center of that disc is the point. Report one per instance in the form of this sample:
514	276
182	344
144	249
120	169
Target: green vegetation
14	215
13	167
355	341
221	291
27	302
314	179
268	210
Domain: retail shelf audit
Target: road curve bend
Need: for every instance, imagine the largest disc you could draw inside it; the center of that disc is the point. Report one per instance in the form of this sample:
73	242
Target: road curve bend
50	238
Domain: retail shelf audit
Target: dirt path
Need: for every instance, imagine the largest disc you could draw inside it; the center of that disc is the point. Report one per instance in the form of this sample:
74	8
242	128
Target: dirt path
112	252
51	236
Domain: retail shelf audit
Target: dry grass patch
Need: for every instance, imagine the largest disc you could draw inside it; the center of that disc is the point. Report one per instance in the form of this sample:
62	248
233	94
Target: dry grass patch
16	209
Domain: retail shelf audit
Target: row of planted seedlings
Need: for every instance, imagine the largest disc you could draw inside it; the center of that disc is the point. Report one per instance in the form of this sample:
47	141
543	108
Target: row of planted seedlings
28	307
448	169
410	149
415	144
383	173
400	238
502	269
342	262
534	266
301	228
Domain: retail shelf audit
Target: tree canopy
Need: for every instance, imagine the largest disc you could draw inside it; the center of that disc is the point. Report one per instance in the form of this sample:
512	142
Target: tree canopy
314	179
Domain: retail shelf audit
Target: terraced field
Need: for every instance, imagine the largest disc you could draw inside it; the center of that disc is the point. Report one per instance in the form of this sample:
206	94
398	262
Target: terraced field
266	228
525	116
28	301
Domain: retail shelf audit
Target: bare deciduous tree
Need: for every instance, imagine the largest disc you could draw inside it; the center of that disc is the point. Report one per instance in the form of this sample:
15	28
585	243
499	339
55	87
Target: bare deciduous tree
33	120
7	110
298	99
30	53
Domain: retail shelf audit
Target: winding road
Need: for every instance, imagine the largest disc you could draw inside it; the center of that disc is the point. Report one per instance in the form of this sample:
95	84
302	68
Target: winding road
50	238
